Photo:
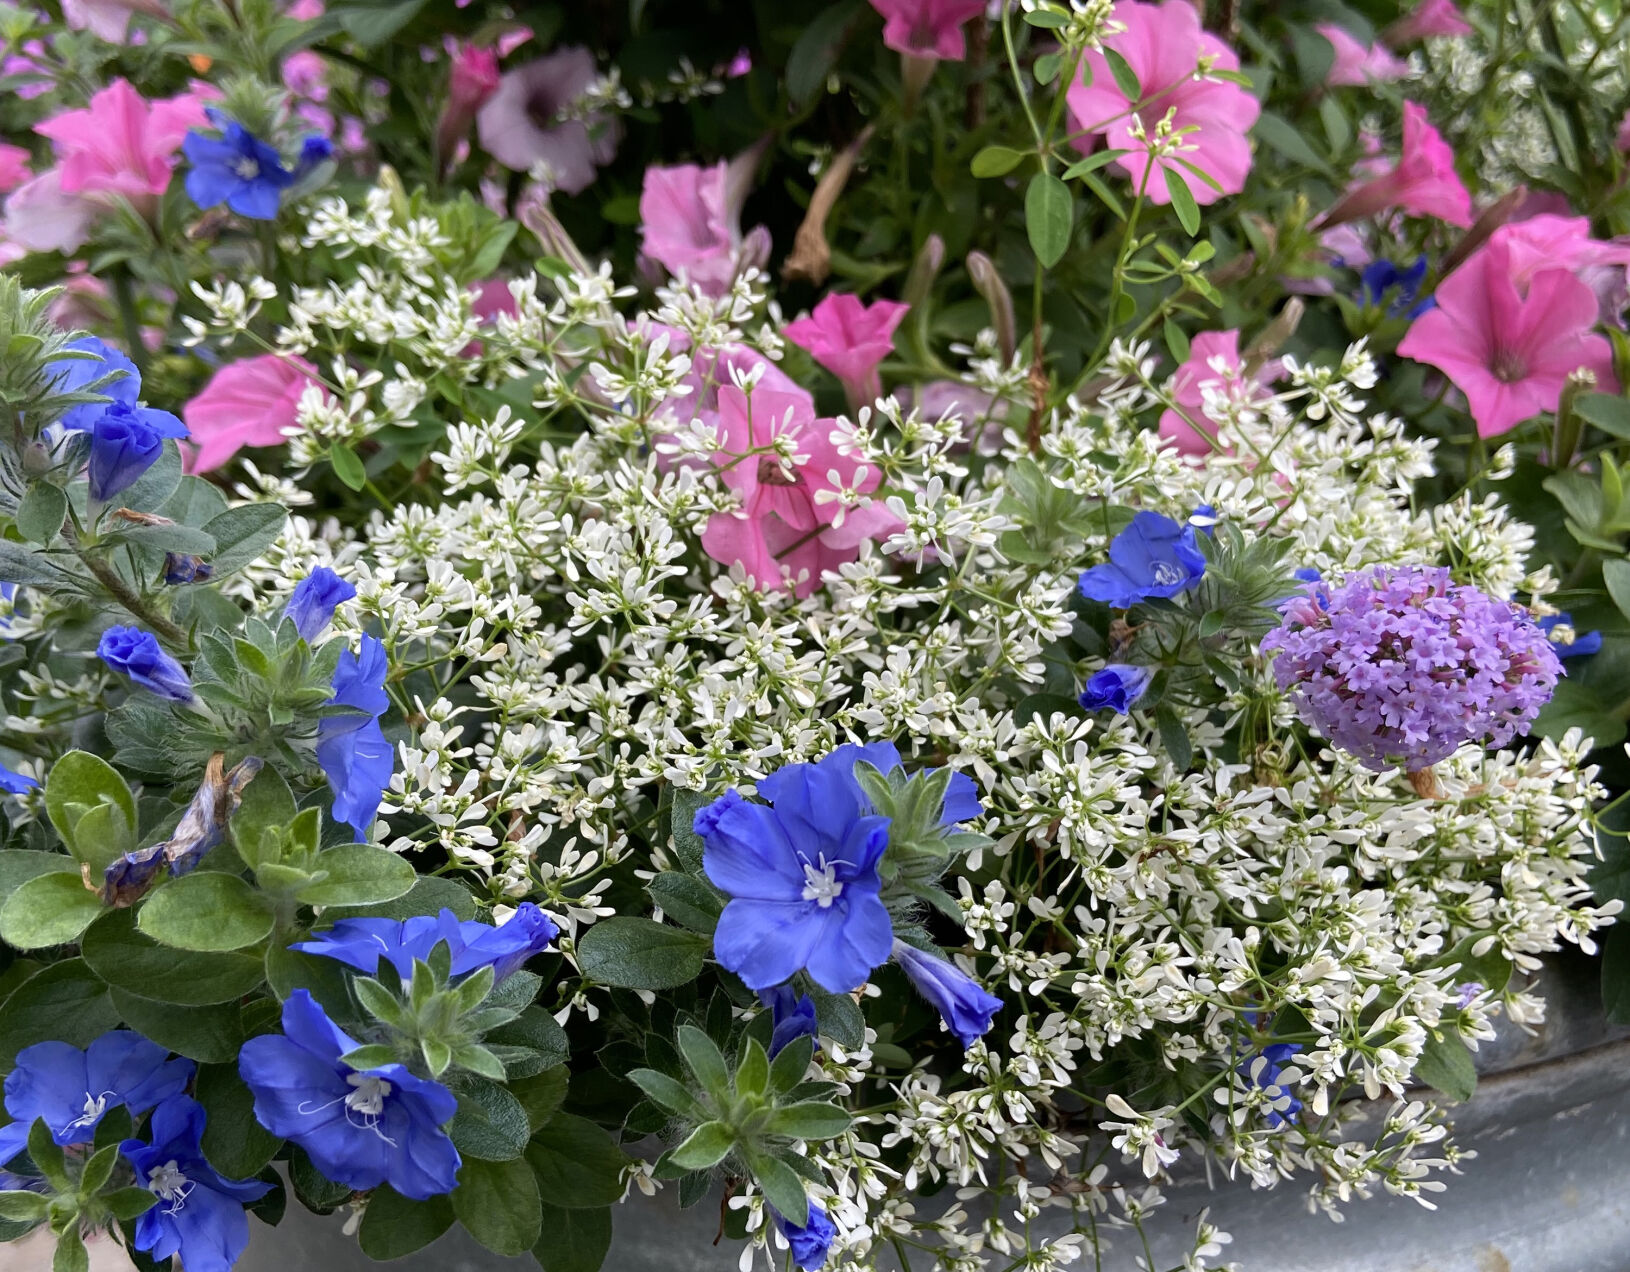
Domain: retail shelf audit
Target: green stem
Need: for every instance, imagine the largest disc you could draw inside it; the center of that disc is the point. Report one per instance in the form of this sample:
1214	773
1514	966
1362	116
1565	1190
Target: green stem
124	296
122	592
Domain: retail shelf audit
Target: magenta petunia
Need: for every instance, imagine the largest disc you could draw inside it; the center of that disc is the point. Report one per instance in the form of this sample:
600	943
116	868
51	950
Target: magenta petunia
1358	65
121	143
13	167
928	28
1422	183
472	78
1428	18
1508	349
1189	430
248	403
1164	45
850	339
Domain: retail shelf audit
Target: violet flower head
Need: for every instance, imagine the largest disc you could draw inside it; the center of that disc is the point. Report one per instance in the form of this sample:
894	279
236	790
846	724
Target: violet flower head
1401	666
532	117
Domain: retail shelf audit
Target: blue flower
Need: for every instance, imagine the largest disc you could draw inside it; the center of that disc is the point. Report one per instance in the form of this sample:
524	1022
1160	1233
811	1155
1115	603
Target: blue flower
966	1009
125	442
1154	556
1307	574
70	1089
1118	686
311	607
801	873
810	1242
71	375
361	943
199	1214
136	654
16	783
379	1126
792	1016
181	568
351	748
1382	276
242	171
1569	643
1266	1071
961	796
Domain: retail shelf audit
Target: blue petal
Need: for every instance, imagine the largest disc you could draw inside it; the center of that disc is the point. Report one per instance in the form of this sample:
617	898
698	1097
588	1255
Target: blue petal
747	852
258	200
767	942
209	187
845	959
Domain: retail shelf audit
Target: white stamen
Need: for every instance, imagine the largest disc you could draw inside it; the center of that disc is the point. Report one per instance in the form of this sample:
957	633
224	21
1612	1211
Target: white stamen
246	168
369	1096
821	884
1167	573
170	1185
95	1106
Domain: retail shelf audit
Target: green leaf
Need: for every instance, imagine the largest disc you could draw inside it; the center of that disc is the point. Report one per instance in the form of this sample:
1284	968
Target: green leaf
1048	217
161	538
267	804
78	782
158	483
840	1017
498	1203
242	534
782	1187
99	1168
635	953
817	49
51	909
41	512
809	1120
1093	162
704	1147
752	1069
393	1226
102	836
541	1095
992	161
1177	340
706	1061
359	874
1175	738
210	1035
208	912
529	1044
1574	705
65	1002
235	1143
429	895
790	1064
669	1093
128	1203
314	1189
18	866
1188	211
326	980
687	844
32	569
490	1124
371	25
71	1255
1616	574
1609	413
1445	1065
688	900
128	959
577	1164
1126	79
577	1240
1274	131
23	1207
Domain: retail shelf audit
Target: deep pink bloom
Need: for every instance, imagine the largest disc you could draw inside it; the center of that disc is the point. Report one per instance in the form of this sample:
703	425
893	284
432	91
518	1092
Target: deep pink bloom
849	339
791	523
1422	183
41	218
13	167
1356	65
248	403
1510	353
492	297
927	28
1430	17
1191	436
1163	44
472	79
523	122
122	143
691	222
305	10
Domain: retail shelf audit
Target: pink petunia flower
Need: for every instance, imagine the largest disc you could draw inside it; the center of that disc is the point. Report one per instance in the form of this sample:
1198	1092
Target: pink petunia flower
1422	183
1429	18
789	471
108	19
850	339
40	79
1356	65
305	10
40	217
473	77
928	28
1164	45
1508	352
13	167
252	402
691	223
1214	366
524	121
122	143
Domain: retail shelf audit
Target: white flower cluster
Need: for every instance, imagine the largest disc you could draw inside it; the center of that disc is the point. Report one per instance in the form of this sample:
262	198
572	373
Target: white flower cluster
562	650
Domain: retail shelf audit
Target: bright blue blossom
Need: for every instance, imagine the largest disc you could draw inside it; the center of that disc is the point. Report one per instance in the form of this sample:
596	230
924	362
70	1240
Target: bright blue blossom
811	1242
966	1008
380	1126
71	1089
199	1214
1118	686
311	607
792	1016
137	654
353	752
1152	557
70	375
125	442
16	783
1269	1071
361	943
242	171
1581	645
1382	276
961	796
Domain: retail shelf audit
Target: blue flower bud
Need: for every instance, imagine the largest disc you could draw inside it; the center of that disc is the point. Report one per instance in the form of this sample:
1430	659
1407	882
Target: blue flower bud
126	440
1117	687
137	654
811	1241
966	1009
311	607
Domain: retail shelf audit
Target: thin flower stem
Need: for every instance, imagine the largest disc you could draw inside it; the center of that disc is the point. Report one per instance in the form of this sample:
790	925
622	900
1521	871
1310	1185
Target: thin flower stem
122	592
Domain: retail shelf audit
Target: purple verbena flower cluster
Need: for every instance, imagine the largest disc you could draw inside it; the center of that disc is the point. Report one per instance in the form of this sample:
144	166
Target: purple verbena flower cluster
1400	666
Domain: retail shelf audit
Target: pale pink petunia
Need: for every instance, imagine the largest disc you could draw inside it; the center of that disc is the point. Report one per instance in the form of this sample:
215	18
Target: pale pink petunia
305	74
1429	18
1510	353
252	402
41	217
1164	45
13	167
850	339
1422	183
928	28
122	143
793	521
525	122
108	19
1357	65
1549	241
691	223
492	297
1213	364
